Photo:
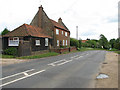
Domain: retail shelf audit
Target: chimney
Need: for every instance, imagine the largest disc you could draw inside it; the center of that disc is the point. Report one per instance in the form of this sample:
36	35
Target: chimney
41	7
60	20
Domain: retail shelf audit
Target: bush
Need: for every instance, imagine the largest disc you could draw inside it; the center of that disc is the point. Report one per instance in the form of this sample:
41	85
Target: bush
11	51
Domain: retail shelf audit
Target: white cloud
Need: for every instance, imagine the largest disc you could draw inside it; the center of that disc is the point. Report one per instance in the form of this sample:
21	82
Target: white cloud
97	15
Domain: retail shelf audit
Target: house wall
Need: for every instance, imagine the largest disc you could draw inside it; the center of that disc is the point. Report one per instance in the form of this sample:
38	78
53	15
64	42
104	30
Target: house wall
5	43
61	37
40	47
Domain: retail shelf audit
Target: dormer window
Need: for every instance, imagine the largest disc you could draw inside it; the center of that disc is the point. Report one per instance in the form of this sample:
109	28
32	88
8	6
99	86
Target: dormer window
57	32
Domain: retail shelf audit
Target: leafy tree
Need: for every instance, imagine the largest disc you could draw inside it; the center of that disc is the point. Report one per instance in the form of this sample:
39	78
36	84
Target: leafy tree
112	43
117	44
5	31
104	42
74	42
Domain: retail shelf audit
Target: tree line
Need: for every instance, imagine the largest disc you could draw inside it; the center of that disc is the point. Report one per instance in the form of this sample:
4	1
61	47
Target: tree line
102	43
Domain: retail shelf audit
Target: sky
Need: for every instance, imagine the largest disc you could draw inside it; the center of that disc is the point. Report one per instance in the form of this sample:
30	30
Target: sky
93	17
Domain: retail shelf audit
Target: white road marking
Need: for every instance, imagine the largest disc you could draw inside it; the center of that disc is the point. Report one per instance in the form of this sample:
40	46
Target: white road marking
74	56
64	62
22	78
53	64
16	74
25	73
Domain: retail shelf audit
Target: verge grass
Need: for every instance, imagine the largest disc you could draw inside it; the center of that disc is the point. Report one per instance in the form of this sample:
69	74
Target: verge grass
39	56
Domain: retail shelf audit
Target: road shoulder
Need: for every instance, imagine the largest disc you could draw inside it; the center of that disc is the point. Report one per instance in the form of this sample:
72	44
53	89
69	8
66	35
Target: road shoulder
110	68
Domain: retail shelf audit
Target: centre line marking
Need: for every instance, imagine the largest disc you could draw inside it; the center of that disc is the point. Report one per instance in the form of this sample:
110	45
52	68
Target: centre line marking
16	74
64	62
53	64
21	78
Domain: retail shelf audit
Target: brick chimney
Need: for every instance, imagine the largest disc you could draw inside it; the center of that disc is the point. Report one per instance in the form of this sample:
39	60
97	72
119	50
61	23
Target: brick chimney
60	20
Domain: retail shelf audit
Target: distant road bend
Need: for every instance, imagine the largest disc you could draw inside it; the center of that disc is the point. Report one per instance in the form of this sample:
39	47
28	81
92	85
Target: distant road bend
74	70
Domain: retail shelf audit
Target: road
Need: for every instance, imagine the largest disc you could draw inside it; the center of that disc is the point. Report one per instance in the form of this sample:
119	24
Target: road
74	70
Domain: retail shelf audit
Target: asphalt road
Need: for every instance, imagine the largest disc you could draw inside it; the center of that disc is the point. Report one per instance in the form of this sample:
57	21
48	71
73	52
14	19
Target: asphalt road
74	70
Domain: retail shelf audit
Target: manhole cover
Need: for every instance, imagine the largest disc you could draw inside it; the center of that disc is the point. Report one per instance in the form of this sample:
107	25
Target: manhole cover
102	76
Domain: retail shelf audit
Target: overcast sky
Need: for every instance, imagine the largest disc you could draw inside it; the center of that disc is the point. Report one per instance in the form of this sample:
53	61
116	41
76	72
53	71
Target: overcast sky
93	17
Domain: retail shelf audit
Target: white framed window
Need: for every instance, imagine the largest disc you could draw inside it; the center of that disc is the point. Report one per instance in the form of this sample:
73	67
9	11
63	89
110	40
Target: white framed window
13	41
65	33
62	32
66	42
46	41
37	42
57	42
63	42
57	32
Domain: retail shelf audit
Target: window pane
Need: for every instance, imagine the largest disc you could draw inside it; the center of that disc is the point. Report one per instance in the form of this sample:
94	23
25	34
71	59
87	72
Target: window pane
65	33
57	31
15	38
66	42
62	32
46	41
57	42
37	42
63	42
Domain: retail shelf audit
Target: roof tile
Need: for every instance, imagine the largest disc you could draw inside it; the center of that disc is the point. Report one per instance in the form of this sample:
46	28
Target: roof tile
28	30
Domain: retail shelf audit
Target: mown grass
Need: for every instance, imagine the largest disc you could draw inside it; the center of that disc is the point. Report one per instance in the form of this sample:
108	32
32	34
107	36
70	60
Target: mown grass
39	56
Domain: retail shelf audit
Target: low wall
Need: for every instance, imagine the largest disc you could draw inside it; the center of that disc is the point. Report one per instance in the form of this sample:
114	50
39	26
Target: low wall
62	50
39	52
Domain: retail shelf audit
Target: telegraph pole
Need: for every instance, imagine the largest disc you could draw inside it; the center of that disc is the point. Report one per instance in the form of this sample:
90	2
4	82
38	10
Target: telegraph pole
77	32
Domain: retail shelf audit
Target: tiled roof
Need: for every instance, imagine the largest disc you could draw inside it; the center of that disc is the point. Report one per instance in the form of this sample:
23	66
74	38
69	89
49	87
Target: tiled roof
56	24
28	30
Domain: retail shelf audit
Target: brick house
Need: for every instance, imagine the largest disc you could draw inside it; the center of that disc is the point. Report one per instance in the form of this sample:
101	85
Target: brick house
42	33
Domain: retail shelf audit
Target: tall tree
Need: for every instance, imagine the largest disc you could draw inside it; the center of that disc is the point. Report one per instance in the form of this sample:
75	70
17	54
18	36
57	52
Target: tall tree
5	31
104	42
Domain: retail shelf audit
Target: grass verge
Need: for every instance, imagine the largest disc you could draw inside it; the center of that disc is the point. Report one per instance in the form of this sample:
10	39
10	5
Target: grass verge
39	56
87	49
7	56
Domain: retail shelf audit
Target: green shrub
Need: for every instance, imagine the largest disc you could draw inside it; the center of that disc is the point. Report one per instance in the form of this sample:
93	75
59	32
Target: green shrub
11	51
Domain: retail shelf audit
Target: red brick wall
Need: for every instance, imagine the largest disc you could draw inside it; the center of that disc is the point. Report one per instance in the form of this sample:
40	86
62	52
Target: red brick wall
61	37
61	50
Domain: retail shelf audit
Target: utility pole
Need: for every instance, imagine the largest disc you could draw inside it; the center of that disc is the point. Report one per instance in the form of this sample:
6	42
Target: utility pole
77	32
